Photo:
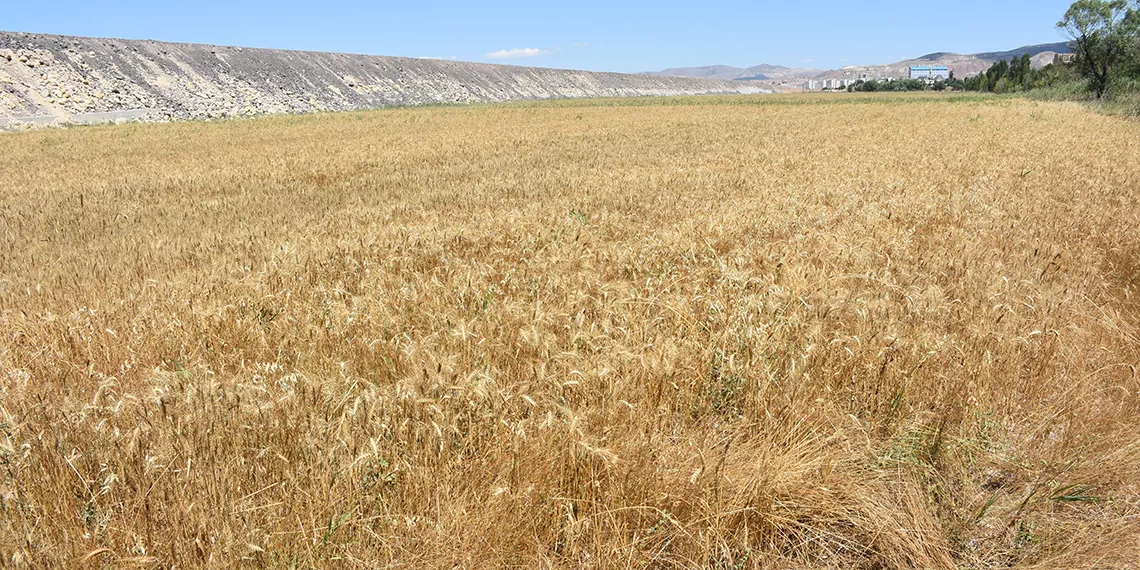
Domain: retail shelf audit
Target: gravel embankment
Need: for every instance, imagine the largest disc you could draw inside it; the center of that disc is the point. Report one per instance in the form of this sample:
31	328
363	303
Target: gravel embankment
49	78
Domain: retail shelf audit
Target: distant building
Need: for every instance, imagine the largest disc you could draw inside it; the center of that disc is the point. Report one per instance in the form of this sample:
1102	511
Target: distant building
1064	58
827	84
929	72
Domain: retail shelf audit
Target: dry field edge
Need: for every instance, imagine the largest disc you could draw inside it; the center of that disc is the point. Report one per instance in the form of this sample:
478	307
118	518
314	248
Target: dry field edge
714	332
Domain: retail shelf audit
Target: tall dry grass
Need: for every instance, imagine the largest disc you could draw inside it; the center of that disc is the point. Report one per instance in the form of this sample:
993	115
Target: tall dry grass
702	333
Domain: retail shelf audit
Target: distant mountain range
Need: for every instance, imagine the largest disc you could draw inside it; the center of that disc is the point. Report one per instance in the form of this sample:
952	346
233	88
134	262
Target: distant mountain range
727	72
963	65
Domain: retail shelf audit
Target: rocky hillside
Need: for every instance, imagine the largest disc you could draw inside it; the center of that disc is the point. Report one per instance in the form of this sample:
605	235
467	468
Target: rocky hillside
48	78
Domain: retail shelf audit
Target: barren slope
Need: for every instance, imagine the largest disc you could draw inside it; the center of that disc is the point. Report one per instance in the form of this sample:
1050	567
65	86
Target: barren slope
51	77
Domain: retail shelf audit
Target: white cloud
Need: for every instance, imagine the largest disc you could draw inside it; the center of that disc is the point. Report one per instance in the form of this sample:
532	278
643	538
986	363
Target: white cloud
518	53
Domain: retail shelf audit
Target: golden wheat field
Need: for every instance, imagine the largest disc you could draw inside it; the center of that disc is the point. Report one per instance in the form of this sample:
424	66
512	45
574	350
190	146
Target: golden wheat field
783	332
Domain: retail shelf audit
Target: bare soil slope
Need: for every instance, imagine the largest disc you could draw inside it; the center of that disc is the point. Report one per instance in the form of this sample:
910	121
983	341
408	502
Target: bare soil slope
45	77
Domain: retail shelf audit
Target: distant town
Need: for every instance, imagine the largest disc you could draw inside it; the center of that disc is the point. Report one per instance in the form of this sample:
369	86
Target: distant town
928	73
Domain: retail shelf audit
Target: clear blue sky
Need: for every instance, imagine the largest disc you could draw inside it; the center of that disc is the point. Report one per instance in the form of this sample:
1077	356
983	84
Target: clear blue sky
586	34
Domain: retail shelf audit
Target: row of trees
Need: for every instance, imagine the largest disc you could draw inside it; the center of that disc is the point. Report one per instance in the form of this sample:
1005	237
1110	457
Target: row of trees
1106	39
1018	75
1003	76
1105	36
873	86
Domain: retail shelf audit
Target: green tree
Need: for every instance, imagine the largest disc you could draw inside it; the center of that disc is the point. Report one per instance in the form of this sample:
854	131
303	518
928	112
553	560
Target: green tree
1103	32
1132	40
996	73
1020	71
